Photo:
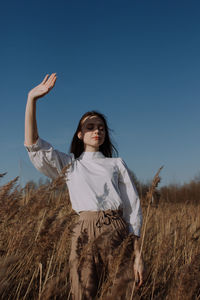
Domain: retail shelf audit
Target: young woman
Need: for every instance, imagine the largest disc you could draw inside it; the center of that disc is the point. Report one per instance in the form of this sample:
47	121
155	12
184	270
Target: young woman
101	191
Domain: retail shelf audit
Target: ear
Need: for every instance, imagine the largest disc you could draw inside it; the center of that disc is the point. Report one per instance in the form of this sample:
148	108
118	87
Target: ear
79	135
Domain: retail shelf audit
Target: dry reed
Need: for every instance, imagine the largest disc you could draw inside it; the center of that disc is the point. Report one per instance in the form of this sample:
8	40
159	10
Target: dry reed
35	233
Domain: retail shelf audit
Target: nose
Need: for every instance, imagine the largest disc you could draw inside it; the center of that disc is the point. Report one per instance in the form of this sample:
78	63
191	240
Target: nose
96	130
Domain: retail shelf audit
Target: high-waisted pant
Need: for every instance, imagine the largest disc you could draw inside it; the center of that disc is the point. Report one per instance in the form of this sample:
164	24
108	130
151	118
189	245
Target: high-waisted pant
101	252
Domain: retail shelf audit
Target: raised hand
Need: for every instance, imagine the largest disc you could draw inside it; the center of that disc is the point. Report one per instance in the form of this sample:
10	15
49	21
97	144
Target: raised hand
44	87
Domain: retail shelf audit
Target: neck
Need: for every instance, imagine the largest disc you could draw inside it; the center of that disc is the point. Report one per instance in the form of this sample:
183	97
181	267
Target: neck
91	149
91	155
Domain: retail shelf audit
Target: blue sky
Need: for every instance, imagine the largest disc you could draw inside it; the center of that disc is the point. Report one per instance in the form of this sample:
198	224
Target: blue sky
137	62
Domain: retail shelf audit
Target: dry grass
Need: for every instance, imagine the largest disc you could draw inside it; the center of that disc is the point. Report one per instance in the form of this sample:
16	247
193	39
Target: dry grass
35	233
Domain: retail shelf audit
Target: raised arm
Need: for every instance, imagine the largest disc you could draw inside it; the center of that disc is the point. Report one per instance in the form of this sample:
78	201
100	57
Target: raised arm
31	131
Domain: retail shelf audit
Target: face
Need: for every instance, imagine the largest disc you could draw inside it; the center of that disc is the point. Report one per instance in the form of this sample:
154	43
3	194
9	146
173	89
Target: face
92	133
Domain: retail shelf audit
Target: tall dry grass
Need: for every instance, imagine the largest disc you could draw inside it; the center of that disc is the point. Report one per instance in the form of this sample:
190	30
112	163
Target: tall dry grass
35	231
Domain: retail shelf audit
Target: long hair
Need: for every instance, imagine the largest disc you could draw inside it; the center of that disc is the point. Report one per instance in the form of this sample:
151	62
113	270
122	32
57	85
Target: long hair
77	145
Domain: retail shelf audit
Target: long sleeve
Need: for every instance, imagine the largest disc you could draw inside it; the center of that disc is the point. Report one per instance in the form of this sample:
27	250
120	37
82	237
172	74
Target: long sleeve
132	211
46	159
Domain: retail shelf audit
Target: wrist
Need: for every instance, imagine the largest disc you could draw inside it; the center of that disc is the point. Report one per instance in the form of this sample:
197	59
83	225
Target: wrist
31	98
137	253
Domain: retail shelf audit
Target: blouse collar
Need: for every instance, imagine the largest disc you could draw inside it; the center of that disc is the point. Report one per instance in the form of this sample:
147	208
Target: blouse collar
91	155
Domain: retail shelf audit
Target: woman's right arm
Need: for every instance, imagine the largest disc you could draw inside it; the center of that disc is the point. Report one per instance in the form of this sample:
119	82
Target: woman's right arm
31	131
44	157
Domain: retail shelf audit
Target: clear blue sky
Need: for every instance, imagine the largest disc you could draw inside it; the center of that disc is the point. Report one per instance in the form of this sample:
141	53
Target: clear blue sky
138	62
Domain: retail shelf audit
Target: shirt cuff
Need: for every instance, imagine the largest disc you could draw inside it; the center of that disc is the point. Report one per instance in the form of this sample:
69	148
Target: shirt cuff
34	147
135	231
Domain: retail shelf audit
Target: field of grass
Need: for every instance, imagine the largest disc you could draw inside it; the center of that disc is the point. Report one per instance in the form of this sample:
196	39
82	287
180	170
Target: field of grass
35	230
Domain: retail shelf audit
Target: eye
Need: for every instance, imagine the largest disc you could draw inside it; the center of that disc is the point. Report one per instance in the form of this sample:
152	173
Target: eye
93	126
90	127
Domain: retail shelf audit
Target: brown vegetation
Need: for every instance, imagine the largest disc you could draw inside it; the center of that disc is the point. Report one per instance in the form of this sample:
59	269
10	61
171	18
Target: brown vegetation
36	226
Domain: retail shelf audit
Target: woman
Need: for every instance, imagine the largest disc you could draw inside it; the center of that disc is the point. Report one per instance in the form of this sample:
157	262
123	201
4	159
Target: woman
101	192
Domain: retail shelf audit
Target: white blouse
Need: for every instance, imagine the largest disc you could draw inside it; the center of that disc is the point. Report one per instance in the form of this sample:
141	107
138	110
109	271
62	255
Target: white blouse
95	182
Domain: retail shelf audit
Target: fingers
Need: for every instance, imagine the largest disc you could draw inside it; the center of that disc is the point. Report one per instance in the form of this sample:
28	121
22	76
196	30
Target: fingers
140	280
51	81
136	276
45	79
138	271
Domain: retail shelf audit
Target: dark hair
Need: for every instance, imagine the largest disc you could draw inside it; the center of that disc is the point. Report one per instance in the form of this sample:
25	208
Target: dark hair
77	145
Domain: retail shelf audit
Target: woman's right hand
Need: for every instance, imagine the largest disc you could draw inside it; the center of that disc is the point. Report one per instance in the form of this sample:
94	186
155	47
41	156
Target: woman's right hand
44	87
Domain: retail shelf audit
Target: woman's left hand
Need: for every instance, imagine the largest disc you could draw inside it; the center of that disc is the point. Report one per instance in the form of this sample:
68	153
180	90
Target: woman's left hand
138	269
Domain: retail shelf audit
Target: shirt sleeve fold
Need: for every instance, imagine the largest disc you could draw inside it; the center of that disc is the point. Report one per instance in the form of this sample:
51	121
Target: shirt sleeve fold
132	211
46	159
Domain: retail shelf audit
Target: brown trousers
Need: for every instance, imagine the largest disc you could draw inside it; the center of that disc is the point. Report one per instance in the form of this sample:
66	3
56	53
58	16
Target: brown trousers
101	258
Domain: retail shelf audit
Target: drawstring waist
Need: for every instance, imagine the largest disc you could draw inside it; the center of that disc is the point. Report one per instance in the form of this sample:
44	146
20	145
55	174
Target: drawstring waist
104	217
